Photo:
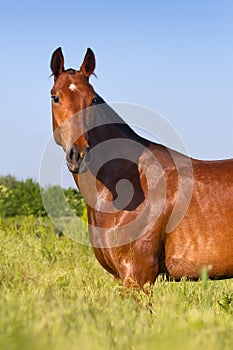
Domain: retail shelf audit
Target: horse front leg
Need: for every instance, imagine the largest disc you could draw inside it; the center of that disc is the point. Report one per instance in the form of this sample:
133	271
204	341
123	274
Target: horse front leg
135	273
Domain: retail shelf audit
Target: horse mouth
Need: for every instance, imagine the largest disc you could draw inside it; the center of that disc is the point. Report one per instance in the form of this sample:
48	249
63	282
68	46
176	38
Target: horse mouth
76	163
74	168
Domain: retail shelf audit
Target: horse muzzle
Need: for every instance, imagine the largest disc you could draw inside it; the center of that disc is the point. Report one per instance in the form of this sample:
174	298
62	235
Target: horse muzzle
77	161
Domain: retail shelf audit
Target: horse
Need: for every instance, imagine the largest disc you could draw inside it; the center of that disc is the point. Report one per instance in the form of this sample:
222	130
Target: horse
151	210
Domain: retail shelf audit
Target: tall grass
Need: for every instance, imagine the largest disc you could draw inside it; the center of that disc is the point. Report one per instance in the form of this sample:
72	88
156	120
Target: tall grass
55	295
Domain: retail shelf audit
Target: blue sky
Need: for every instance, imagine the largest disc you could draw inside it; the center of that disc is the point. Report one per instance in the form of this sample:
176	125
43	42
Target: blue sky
174	57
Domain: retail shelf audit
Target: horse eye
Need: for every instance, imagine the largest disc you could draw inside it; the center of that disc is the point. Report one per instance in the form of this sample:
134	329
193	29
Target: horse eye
55	98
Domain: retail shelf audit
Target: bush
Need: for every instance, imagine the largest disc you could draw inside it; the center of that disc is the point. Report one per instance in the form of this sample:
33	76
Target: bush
19	198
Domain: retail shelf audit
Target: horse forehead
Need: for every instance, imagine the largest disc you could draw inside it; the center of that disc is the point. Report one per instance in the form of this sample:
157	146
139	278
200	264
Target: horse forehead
72	87
71	82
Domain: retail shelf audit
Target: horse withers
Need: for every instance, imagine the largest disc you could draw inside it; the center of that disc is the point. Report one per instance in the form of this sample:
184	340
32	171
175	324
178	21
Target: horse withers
151	209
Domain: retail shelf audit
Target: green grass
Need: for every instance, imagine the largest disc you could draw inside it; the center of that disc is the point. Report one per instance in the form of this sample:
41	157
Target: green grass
55	295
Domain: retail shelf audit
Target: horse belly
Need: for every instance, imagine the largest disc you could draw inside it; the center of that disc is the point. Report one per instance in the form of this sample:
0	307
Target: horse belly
201	241
187	263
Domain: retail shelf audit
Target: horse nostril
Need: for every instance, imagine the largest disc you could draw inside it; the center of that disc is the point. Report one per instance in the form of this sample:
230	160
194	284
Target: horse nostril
72	155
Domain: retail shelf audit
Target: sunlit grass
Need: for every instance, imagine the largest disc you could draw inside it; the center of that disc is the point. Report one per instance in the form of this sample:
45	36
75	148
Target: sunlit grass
55	295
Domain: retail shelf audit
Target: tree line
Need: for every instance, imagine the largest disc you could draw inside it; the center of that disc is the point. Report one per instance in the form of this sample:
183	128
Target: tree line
24	197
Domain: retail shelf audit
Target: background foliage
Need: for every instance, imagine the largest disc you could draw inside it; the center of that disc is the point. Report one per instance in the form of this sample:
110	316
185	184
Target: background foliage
55	295
19	198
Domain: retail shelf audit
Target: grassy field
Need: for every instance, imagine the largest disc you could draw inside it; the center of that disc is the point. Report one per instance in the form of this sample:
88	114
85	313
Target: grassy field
55	295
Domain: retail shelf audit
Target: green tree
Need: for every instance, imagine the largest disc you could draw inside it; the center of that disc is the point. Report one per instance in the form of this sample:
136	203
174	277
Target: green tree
25	198
75	201
20	197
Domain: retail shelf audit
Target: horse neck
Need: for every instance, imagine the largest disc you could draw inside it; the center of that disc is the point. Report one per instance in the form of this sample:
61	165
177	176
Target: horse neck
107	125
116	151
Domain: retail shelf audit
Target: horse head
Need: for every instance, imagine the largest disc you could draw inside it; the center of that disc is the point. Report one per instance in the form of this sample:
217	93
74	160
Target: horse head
71	95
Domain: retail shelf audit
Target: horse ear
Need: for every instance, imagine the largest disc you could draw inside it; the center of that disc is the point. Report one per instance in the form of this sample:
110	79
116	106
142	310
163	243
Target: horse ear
57	63
88	65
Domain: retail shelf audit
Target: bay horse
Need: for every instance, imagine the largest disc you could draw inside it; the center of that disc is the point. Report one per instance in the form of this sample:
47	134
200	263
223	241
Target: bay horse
151	209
